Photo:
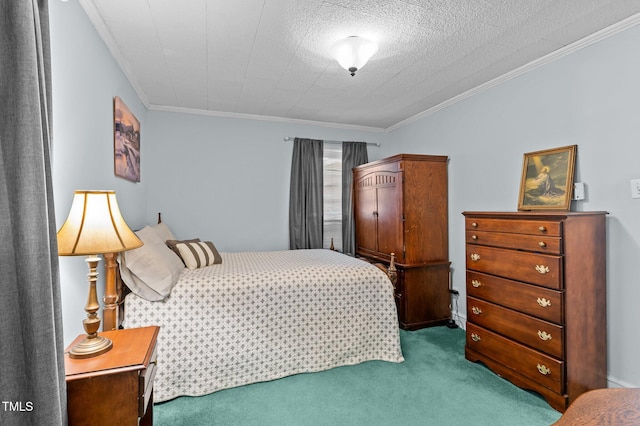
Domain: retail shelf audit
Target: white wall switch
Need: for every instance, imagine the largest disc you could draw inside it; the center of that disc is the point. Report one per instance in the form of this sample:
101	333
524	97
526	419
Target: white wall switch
578	191
635	188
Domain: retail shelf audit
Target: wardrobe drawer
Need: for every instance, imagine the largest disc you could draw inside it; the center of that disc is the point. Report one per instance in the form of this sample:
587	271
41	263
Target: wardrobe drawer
534	300
537	243
541	368
514	226
534	268
538	334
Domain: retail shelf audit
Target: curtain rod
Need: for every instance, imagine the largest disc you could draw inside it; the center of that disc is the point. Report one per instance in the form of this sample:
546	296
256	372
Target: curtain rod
289	138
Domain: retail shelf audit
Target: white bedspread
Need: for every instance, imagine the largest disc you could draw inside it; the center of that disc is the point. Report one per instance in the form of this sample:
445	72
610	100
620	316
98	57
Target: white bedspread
261	316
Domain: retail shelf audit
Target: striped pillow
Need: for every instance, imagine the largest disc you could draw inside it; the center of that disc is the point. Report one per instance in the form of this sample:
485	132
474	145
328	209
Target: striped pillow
173	243
198	254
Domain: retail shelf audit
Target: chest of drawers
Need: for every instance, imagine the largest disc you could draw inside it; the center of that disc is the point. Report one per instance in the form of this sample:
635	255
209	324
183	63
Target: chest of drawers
536	299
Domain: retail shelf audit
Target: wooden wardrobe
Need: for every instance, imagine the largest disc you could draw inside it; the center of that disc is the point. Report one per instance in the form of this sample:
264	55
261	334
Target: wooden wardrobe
400	206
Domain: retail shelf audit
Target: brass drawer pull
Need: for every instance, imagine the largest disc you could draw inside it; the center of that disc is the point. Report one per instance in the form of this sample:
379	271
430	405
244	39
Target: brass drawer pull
542	244
474	237
544	302
476	310
475	257
542	229
476	283
542	269
544	370
543	335
474	224
475	337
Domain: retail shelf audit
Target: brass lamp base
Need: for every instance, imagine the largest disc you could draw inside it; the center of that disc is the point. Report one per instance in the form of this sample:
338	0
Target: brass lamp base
91	346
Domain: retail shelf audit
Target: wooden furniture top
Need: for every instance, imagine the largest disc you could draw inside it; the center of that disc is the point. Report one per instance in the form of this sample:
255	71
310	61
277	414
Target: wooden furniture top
406	157
536	213
602	407
132	350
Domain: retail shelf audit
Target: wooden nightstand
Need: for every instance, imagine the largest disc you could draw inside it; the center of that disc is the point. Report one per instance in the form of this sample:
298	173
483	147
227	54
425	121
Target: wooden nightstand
115	388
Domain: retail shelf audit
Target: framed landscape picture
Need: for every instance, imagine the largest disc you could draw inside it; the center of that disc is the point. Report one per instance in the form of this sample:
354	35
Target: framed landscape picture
126	142
547	179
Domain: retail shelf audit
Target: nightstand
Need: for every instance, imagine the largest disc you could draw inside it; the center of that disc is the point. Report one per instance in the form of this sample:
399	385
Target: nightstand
115	388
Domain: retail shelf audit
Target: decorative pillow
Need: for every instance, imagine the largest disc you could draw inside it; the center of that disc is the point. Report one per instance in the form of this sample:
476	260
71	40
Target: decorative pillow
172	244
197	255
152	270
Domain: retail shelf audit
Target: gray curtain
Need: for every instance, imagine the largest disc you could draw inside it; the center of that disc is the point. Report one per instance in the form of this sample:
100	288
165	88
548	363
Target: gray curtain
353	154
305	196
32	380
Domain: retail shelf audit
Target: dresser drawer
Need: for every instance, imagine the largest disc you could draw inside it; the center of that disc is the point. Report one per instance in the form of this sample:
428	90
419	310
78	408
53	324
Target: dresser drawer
538	334
541	368
534	300
534	268
146	382
515	226
537	243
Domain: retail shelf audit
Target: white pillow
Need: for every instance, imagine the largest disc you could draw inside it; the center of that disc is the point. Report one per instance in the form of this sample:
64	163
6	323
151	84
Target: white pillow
152	270
163	231
135	284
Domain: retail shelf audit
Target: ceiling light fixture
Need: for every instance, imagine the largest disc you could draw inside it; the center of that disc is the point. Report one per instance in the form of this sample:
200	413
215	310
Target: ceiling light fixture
352	53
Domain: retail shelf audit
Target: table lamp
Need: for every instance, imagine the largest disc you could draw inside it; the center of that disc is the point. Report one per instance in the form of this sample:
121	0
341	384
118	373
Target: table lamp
94	226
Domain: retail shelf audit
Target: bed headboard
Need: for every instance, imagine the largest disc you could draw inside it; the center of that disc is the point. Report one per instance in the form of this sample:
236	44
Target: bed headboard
121	290
114	293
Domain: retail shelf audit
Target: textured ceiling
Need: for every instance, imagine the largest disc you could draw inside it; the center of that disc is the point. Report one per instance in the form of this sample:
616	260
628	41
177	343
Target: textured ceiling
270	58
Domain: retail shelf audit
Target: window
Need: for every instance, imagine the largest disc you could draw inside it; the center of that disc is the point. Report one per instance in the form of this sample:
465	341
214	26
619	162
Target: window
332	193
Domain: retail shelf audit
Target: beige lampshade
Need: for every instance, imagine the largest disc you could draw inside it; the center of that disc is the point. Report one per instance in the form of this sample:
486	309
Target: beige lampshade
95	226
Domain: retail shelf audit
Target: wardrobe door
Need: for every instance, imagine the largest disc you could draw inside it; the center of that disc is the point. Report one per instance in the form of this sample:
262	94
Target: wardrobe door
389	214
365	213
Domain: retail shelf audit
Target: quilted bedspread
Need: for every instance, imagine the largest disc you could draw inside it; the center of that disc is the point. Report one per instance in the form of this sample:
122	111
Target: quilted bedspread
261	316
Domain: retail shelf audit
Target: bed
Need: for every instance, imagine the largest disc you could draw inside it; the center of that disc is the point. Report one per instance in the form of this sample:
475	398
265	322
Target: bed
241	318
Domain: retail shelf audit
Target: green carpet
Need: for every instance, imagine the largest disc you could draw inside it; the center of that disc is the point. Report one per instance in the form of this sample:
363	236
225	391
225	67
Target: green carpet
434	386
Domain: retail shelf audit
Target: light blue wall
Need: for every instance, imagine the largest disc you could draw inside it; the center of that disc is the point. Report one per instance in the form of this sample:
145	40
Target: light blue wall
227	179
590	98
85	78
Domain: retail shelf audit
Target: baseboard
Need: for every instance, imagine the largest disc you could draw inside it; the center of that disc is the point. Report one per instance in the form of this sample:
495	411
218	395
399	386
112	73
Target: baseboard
461	321
614	382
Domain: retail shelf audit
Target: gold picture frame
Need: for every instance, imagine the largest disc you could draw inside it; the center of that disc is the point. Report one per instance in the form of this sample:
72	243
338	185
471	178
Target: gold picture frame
547	179
126	142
